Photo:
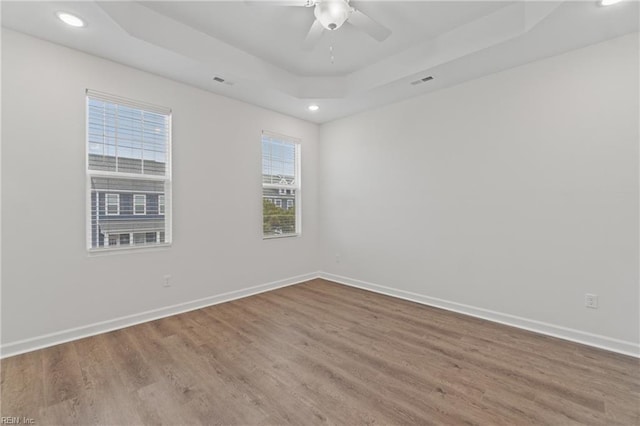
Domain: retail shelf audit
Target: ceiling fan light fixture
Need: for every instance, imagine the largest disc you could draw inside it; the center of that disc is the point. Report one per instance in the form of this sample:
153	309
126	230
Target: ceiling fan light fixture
332	13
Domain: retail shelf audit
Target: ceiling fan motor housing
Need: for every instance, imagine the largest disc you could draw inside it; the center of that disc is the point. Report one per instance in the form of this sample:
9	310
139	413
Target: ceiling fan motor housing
332	13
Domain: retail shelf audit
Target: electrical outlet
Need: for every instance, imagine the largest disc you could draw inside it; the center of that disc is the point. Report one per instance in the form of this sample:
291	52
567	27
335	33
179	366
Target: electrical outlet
337	257
591	301
167	281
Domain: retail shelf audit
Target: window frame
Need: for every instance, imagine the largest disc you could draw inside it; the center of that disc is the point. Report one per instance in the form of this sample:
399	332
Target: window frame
161	210
144	204
167	178
296	187
107	204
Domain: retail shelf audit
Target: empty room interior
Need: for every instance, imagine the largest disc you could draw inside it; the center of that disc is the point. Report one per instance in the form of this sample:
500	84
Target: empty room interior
320	212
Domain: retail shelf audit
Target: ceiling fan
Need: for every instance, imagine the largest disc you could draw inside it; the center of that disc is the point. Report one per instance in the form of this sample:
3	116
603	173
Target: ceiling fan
330	15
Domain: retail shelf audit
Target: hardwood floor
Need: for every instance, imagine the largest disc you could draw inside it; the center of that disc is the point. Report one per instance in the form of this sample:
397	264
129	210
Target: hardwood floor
319	353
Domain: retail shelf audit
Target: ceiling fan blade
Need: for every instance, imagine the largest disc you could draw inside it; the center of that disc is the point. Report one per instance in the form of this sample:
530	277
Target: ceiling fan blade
368	25
313	36
300	3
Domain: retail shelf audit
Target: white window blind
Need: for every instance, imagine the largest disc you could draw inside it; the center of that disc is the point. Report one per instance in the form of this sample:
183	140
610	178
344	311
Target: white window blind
128	173
281	189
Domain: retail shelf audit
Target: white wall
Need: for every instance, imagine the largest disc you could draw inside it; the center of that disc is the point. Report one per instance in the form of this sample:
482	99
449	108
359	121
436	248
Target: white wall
49	283
508	197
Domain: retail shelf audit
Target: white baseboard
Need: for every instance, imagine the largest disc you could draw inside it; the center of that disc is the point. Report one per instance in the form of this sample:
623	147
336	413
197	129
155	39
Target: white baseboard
596	340
599	341
46	340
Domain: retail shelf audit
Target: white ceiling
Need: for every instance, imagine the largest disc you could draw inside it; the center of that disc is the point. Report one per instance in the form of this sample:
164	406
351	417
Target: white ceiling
258	48
275	34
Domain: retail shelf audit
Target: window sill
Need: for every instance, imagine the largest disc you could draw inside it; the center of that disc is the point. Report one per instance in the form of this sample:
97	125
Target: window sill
96	252
277	237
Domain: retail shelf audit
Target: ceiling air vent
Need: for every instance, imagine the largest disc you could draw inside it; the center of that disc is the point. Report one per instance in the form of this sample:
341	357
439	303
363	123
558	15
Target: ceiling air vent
422	80
222	80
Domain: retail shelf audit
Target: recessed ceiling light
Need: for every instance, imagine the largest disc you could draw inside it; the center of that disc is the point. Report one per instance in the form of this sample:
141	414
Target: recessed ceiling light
70	19
608	2
313	107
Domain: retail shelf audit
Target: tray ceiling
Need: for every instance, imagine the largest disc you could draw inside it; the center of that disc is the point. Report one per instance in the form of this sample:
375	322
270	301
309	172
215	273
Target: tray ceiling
257	48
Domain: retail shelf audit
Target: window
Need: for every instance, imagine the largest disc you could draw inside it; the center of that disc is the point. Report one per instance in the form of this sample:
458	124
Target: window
280	173
125	239
128	162
139	204
160	204
112	204
139	238
289	204
118	240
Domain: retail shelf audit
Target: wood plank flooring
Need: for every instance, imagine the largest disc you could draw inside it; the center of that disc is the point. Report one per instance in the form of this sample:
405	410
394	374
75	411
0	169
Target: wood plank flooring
321	353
